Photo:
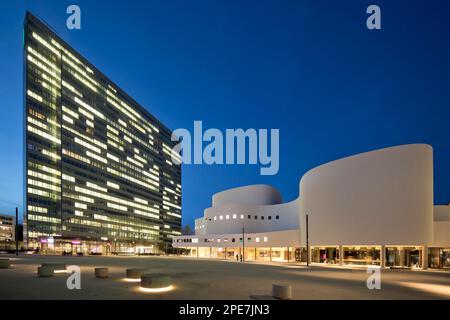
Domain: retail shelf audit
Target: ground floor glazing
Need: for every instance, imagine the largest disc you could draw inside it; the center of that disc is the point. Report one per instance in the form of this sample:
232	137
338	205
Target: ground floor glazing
74	247
394	256
281	254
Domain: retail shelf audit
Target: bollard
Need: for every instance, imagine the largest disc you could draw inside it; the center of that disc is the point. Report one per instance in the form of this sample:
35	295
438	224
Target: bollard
5	264
101	273
281	292
45	271
56	267
155	281
135	273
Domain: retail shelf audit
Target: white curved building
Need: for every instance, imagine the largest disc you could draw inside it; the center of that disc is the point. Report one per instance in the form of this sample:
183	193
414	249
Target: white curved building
251	222
374	208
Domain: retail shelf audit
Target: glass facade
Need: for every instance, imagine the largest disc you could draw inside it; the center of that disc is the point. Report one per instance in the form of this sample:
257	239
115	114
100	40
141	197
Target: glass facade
276	254
98	166
403	257
439	258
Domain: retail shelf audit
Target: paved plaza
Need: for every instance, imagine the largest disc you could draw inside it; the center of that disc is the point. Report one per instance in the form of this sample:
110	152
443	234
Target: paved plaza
214	279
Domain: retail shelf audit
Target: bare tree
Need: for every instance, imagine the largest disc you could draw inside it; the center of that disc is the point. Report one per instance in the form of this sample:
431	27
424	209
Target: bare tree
187	230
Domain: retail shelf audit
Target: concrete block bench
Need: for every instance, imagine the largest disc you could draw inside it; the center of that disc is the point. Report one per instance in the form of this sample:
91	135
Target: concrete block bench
45	271
102	273
155	281
282	292
5	264
56	267
135	274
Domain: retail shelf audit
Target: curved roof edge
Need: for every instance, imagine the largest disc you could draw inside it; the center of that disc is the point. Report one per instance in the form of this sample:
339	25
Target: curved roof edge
255	194
402	146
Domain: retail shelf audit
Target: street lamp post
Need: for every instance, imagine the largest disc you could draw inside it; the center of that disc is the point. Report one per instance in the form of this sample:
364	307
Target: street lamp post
243	246
307	241
16	231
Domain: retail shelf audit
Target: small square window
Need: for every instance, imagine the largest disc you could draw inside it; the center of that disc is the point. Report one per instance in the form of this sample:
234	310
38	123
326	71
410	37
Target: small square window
270	217
262	217
249	216
277	217
256	217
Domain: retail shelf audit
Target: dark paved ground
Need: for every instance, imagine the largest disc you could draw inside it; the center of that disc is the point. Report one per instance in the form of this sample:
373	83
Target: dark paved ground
214	279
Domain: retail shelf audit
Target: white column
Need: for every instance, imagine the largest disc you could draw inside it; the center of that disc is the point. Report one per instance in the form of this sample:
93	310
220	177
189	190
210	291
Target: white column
424	257
341	255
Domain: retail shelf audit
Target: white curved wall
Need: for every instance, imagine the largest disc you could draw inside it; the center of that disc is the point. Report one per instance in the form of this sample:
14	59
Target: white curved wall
258	195
282	238
200	226
379	197
288	218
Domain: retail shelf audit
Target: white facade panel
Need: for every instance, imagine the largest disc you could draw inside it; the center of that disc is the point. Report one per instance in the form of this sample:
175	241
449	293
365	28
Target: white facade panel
379	197
258	195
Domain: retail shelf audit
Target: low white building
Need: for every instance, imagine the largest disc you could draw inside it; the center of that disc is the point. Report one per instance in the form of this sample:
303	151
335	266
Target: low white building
374	208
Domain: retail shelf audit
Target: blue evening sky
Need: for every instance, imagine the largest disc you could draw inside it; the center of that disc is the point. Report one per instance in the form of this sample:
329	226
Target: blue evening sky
309	68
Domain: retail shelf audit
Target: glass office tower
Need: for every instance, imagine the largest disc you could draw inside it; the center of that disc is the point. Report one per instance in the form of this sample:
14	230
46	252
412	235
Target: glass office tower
98	171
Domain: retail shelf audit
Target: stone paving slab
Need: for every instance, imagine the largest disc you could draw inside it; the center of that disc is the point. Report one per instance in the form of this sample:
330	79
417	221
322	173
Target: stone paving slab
213	279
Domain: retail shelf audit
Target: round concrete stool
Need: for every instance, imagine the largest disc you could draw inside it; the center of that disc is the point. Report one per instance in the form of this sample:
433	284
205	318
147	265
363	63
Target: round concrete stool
56	267
281	292
136	274
101	273
45	271
155	281
5	264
